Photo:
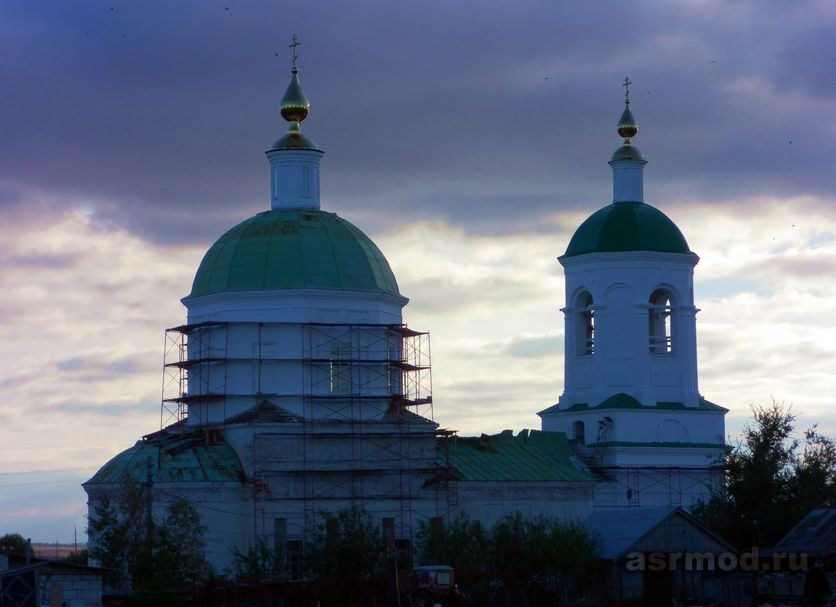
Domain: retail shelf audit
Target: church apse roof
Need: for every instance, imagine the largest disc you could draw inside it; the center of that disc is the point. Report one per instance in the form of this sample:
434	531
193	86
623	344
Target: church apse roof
175	457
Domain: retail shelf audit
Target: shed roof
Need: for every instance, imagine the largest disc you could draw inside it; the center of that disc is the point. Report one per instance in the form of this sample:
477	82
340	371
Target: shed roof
621	530
816	534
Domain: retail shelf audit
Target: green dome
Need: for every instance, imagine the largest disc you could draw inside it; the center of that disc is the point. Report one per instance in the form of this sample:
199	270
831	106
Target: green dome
627	226
294	249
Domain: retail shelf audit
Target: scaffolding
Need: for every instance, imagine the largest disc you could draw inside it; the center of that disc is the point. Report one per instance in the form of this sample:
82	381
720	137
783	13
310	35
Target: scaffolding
189	352
635	487
342	362
364	413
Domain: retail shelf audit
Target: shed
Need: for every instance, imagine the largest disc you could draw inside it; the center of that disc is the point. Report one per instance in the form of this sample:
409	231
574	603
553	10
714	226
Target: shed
36	582
655	556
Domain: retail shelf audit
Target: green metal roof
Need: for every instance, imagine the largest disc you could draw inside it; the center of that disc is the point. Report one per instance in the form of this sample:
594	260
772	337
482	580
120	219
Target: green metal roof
294	249
625	401
530	456
174	459
627	226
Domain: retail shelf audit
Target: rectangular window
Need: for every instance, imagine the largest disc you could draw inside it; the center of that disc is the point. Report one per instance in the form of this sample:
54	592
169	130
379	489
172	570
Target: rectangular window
340	370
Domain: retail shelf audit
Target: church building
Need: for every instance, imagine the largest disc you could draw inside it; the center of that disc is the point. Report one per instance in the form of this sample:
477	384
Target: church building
295	387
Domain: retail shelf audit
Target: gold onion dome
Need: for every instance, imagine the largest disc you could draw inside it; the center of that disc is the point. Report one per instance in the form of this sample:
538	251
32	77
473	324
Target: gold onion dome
627	128
627	125
295	107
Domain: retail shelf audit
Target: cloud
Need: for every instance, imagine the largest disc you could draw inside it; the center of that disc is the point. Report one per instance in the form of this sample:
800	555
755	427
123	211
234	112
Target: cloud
487	120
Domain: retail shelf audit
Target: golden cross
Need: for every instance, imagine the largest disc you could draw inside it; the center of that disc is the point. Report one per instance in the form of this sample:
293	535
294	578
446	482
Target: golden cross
294	43
626	86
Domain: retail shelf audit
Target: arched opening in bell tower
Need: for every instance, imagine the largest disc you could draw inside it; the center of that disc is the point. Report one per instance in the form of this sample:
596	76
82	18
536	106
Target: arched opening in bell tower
660	324
585	325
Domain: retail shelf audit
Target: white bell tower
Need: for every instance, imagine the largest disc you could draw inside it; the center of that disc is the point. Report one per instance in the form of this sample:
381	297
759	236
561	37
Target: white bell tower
631	403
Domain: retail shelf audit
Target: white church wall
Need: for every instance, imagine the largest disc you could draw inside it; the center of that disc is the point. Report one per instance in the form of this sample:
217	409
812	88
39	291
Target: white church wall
647	425
489	501
623	361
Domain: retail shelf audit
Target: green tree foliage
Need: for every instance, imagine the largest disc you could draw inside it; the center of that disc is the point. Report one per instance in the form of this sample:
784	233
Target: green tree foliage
772	480
463	544
13	543
145	558
552	554
179	549
347	545
258	564
526	555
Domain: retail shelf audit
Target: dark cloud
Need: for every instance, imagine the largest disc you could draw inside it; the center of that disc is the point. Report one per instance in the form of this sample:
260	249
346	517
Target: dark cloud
156	114
105	370
108	410
43	261
535	346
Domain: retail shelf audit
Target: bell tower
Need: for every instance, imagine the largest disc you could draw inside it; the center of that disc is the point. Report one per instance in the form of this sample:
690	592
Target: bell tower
631	402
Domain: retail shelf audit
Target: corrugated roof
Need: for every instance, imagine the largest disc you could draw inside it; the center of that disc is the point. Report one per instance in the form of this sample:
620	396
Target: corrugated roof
531	456
623	530
620	529
816	534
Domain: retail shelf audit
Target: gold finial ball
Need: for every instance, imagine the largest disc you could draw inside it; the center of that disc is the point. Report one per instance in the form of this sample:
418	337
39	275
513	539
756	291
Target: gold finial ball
627	125
295	106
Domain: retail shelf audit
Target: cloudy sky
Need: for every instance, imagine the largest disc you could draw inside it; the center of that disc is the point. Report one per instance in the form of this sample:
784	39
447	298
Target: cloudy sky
468	139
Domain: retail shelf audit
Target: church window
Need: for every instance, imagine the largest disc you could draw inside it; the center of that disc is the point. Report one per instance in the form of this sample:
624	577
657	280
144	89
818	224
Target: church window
585	325
340	369
659	321
578	433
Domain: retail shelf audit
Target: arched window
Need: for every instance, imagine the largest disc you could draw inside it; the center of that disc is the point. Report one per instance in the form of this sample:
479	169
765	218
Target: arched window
578	433
584	325
659	323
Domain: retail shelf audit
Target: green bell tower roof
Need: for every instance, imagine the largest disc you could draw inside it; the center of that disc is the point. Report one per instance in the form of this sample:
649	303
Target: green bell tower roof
294	249
627	226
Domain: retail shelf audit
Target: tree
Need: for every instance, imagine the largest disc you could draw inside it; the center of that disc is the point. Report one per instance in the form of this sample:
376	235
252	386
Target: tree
771	480
13	543
463	543
179	550
346	545
140	555
347	549
545	553
258	564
